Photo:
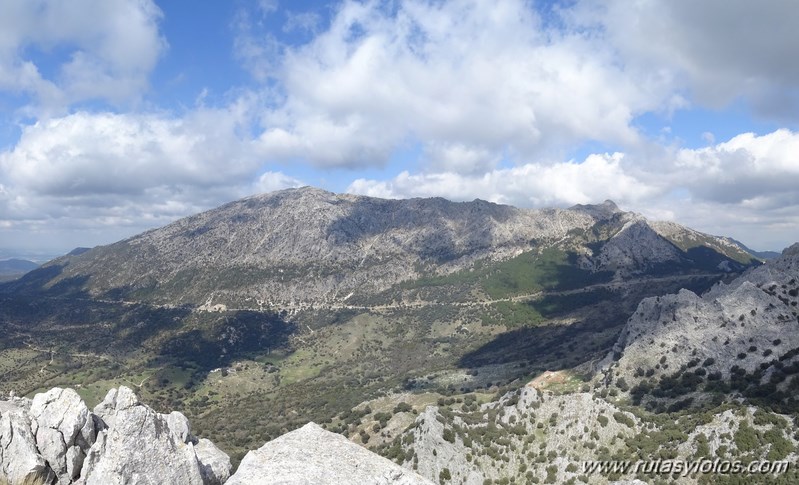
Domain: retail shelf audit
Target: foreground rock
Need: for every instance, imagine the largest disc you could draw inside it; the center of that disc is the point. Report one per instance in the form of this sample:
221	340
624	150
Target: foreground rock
54	438
311	455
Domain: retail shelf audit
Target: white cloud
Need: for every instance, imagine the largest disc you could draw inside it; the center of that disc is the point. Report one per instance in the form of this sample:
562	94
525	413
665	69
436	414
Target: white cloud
106	153
597	178
720	50
111	47
480	76
128	172
271	181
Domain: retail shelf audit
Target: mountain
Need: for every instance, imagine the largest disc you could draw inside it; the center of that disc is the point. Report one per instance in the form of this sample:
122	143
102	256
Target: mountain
763	255
311	246
300	305
14	268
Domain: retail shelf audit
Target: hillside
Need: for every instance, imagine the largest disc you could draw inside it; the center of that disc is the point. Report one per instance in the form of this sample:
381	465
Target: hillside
14	268
298	305
736	338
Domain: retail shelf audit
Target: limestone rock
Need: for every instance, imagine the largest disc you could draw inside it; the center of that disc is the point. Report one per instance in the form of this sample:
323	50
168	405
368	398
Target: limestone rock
139	446
310	455
748	322
20	461
61	416
215	464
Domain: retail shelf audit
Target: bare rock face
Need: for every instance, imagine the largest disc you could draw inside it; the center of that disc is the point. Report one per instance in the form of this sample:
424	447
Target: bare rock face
64	431
748	322
461	444
20	460
636	245
311	455
55	439
143	446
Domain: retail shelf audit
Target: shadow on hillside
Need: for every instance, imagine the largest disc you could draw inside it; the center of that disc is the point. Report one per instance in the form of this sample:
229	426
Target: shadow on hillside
221	338
547	346
36	282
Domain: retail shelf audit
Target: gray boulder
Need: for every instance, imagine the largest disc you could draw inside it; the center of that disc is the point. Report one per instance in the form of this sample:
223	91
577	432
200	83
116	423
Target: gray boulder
64	431
55	439
311	455
144	447
215	464
20	461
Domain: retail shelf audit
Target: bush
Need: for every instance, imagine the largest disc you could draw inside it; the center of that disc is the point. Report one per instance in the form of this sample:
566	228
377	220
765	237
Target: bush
622	418
402	407
746	438
444	475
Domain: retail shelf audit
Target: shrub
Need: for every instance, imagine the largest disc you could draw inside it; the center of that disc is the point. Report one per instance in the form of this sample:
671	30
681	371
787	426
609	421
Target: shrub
402	407
622	418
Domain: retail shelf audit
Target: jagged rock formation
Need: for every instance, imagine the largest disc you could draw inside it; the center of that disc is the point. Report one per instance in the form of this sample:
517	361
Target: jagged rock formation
311	455
54	438
308	245
748	326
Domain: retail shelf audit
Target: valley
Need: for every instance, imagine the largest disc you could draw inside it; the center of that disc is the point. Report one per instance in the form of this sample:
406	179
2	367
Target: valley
260	341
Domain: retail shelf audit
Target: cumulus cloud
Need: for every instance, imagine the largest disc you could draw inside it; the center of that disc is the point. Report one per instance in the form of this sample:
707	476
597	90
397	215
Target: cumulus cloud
719	50
129	170
464	75
596	178
112	46
490	96
125	154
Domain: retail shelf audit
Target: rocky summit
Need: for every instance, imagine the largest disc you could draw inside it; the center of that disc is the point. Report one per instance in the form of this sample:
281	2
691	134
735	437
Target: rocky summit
55	439
312	455
743	332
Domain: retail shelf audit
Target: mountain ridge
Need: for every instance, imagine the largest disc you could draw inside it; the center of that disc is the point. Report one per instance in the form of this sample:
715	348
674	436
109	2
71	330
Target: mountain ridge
312	245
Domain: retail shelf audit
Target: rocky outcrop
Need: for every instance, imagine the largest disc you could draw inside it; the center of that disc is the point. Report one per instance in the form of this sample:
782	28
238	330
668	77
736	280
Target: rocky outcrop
54	438
735	327
311	455
64	429
20	461
636	247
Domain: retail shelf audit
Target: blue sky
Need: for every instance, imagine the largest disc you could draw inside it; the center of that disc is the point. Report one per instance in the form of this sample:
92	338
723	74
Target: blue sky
117	116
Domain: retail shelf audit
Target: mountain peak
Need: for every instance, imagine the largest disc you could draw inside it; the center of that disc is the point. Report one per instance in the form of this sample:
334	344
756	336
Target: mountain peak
605	210
792	250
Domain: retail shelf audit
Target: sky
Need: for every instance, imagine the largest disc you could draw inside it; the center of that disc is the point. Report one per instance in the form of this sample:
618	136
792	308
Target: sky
117	116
